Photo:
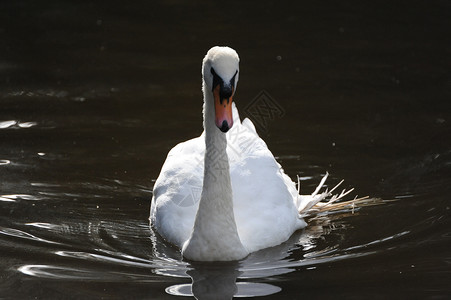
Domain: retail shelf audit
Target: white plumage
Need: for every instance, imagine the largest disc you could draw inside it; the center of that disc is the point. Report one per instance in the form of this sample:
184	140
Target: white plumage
245	202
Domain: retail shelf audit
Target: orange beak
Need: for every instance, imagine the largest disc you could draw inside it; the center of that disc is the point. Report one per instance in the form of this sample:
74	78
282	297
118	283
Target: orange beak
223	110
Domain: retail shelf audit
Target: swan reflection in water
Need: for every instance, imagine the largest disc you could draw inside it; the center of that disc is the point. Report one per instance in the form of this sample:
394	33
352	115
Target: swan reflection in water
213	281
225	280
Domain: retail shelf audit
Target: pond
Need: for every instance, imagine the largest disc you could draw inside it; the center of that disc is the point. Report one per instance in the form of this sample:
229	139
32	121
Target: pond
94	95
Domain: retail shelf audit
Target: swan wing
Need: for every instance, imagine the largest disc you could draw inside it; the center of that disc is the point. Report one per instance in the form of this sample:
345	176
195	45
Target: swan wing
264	196
177	191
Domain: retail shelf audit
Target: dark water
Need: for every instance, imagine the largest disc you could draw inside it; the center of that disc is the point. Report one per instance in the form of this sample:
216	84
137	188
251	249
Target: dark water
94	95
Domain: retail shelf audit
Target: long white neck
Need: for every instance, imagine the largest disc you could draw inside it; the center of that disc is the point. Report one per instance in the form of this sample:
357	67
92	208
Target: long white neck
215	236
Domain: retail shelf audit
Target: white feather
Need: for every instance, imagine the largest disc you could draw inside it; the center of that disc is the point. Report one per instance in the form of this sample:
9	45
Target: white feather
260	210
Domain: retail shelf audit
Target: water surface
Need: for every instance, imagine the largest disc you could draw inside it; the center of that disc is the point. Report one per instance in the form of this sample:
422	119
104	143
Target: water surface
93	96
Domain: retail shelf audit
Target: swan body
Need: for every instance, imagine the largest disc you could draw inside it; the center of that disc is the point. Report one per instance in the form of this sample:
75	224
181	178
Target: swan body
223	195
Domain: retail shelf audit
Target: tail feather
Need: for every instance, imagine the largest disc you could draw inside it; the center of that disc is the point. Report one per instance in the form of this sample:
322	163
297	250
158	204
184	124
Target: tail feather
319	202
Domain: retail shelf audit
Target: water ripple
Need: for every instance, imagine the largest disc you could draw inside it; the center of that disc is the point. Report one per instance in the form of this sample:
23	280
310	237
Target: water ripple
7	124
13	198
379	241
68	273
16	124
113	246
6	199
243	289
24	235
124	260
4	162
38	93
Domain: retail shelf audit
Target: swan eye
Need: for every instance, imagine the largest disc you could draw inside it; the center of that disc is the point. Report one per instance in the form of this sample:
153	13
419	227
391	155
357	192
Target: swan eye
216	79
232	81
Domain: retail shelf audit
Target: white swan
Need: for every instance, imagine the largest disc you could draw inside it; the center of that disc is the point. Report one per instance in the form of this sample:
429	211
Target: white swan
222	195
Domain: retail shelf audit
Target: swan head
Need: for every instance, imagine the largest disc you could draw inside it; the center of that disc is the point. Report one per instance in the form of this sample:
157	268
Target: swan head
220	73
